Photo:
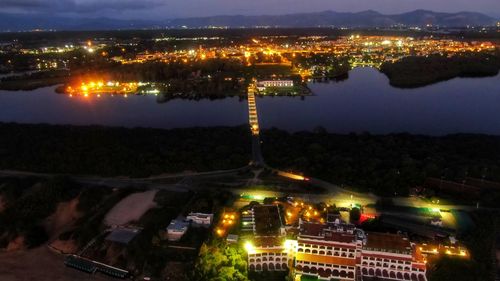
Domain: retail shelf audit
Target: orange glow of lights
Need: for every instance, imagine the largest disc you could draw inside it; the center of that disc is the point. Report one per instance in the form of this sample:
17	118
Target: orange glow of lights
220	232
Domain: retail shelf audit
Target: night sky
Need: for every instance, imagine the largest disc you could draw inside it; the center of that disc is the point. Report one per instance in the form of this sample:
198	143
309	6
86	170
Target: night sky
163	9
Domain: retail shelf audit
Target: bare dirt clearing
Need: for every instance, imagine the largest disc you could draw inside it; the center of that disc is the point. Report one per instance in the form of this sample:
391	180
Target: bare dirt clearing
131	208
40	264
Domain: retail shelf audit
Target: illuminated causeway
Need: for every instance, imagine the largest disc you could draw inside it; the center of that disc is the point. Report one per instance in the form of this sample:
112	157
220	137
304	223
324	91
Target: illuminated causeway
252	111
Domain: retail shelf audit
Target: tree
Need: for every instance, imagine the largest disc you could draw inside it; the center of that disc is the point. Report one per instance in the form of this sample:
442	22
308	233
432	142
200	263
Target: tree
354	214
220	262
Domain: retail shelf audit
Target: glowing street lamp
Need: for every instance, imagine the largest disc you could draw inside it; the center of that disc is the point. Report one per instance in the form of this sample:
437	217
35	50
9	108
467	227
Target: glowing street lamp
249	247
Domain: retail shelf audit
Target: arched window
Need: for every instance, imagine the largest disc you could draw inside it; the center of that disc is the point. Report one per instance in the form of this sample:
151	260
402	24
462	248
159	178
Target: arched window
335	273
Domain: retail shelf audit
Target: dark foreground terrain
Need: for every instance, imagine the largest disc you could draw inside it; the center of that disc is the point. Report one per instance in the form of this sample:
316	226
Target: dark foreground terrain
383	164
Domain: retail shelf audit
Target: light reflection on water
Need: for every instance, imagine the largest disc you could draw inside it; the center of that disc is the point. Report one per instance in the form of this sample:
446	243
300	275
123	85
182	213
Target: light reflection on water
364	102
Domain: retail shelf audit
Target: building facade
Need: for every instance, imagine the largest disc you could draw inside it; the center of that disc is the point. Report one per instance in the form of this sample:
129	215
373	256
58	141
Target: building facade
200	219
391	257
339	251
176	229
262	85
327	251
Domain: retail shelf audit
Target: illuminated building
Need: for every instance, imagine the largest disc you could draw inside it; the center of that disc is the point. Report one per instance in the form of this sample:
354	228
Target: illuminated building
268	250
267	253
328	250
391	257
339	251
262	85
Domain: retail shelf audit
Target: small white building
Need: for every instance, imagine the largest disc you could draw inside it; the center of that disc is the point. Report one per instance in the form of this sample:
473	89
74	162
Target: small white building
200	218
232	238
176	229
262	85
437	222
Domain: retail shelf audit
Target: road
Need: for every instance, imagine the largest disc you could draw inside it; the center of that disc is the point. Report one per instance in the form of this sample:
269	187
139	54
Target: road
149	182
335	194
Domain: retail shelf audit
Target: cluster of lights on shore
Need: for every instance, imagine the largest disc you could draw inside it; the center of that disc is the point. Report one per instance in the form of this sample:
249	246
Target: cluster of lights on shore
110	87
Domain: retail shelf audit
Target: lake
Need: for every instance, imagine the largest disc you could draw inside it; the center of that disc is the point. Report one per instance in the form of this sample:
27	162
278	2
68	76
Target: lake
363	103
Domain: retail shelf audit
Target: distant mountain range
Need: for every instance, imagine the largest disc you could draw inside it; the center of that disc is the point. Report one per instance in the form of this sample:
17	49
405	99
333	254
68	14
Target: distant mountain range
23	22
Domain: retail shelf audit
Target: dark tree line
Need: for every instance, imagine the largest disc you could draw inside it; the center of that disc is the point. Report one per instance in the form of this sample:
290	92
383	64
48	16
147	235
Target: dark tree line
384	164
119	151
411	72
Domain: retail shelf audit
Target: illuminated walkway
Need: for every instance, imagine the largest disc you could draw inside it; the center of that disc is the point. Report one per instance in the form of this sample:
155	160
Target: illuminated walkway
252	111
253	121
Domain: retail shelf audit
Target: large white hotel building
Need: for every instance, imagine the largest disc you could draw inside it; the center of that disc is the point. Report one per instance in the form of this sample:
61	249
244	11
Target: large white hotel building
339	251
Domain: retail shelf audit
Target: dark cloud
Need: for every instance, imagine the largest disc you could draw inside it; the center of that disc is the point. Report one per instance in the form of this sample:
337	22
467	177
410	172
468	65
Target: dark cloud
78	6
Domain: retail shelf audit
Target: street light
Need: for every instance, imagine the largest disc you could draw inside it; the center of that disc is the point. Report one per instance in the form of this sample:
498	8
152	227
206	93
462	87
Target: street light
249	247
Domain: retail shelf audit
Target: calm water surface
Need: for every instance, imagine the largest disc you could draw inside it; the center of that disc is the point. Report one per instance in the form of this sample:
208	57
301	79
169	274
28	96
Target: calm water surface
364	102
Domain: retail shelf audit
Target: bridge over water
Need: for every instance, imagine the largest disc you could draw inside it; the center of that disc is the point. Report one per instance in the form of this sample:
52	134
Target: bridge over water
253	120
